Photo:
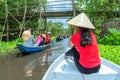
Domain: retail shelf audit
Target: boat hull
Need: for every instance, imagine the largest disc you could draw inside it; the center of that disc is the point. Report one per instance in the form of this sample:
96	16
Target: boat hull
29	50
62	69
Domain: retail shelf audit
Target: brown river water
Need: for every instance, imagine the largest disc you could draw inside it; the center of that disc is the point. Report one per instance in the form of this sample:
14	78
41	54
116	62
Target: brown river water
30	67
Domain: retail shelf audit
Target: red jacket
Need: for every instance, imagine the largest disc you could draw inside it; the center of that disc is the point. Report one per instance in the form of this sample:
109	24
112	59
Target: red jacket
47	38
89	55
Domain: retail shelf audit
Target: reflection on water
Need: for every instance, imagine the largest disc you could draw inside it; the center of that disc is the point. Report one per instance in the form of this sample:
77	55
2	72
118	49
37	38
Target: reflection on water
30	67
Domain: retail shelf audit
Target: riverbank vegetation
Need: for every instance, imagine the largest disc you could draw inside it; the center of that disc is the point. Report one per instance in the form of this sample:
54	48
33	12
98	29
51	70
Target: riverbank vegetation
109	45
9	47
110	52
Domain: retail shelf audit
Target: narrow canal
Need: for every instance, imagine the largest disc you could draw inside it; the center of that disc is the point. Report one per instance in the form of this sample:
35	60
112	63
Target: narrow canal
30	67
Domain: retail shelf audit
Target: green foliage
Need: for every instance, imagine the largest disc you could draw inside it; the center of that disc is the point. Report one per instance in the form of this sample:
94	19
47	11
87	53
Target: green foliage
110	53
2	8
55	28
1	26
113	38
53	38
100	10
7	47
97	32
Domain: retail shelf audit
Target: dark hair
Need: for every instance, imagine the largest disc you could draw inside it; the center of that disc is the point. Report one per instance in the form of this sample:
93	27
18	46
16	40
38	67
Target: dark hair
38	34
85	37
27	28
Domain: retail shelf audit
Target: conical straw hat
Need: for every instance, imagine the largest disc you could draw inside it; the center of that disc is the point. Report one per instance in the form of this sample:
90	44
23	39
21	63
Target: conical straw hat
81	21
26	35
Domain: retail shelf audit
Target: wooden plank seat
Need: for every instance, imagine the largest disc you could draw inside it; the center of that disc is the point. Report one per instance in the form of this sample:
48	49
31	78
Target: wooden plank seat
67	70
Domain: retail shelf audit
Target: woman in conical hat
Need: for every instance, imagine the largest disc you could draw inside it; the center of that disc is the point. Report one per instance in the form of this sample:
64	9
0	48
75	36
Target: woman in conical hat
83	44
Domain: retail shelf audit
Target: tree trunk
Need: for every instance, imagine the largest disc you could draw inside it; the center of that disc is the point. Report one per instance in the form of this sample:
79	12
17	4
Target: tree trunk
24	20
39	20
6	23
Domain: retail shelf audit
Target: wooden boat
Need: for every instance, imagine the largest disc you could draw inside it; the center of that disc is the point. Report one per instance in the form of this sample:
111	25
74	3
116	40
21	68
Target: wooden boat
65	69
29	50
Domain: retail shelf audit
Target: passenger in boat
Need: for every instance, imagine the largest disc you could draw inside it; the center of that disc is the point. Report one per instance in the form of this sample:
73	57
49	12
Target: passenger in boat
59	38
28	38
38	40
50	38
43	42
84	45
47	38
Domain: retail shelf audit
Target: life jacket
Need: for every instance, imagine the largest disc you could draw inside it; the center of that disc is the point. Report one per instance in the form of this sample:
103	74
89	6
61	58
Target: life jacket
47	38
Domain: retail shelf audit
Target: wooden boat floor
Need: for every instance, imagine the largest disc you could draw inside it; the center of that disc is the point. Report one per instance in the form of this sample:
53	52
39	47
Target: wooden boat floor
67	70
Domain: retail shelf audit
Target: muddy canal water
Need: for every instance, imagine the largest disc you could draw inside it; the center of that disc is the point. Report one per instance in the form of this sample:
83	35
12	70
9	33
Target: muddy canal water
30	67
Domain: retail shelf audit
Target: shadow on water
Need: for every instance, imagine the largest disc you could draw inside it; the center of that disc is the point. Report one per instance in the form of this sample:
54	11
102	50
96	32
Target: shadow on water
30	67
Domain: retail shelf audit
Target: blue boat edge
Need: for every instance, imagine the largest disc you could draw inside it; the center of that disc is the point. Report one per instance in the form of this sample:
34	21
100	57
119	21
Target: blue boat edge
28	50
